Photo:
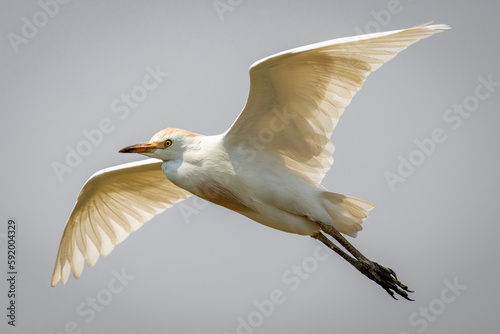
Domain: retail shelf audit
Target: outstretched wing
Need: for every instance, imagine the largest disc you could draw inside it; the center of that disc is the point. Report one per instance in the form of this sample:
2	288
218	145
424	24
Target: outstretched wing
297	96
113	203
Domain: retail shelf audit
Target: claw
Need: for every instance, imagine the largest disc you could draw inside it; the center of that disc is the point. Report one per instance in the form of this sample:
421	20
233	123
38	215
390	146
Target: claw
390	293
393	273
408	298
387	279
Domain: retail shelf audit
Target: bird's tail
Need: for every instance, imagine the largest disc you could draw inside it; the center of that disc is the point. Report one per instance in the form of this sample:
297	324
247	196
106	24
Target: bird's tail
346	212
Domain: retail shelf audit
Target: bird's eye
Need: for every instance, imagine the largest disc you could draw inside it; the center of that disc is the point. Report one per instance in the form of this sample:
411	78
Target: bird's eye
167	143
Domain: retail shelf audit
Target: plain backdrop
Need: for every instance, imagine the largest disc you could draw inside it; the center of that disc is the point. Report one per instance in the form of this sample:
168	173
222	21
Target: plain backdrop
198	268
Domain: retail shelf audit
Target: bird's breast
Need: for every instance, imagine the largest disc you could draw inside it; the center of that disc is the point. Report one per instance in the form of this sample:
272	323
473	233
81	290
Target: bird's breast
220	194
212	183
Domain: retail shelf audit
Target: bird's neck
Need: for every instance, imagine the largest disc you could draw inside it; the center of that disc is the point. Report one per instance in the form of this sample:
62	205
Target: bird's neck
198	159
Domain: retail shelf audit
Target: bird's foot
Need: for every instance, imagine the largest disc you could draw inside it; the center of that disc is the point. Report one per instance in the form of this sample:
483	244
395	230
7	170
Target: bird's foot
386	278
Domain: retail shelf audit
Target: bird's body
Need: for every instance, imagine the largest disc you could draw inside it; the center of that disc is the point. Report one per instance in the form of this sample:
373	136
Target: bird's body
259	186
268	166
259	190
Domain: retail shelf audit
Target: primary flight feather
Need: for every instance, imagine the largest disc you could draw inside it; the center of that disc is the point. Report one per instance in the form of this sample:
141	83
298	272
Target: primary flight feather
268	166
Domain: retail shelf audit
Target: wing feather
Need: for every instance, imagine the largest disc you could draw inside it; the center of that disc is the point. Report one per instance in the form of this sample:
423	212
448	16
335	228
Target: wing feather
113	203
297	96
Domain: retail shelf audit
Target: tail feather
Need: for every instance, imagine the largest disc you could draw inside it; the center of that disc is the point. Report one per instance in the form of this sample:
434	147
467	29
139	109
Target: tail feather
347	213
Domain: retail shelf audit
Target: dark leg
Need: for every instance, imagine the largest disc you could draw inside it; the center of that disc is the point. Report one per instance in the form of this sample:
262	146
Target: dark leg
324	239
385	277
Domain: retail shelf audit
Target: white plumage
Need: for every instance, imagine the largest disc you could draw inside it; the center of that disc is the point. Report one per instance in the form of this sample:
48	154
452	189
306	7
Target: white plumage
113	203
268	166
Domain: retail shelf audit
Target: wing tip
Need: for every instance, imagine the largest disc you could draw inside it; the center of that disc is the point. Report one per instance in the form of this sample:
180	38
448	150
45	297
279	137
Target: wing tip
437	27
56	278
56	275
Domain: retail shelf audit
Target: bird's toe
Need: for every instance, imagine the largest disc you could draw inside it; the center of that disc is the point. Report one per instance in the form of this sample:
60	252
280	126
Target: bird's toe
387	279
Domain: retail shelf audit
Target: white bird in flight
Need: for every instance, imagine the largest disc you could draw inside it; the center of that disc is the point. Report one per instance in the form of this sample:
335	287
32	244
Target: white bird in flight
268	166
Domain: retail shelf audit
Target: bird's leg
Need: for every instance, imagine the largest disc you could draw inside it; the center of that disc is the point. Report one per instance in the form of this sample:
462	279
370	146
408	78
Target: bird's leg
385	277
324	239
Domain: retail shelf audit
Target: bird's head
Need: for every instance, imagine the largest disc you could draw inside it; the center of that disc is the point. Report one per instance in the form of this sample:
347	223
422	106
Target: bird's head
167	144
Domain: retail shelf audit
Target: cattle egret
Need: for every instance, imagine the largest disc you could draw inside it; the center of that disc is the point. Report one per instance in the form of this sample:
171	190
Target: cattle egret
268	166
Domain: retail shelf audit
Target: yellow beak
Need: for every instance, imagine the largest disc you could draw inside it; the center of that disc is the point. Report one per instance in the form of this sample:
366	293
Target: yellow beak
148	147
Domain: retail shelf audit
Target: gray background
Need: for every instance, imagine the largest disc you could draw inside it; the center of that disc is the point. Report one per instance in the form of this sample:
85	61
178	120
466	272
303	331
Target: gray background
199	273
